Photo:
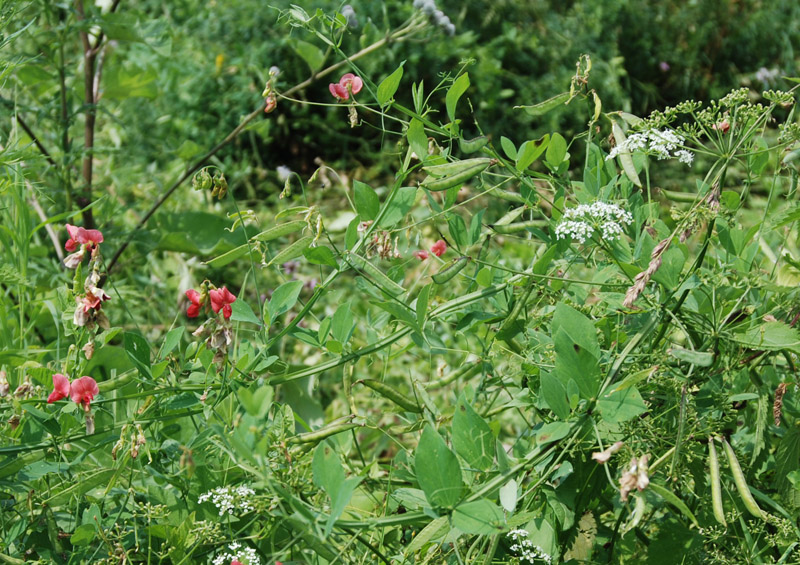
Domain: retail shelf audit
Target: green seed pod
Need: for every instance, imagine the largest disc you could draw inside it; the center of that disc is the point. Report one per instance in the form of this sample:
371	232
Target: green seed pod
462	374
518	226
280	230
391	393
450	270
318	435
442	177
716	489
292	251
741	484
378	277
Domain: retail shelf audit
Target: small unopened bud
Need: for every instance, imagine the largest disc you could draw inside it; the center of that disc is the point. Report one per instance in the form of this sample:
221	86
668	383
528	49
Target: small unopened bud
274	71
88	350
4	386
202	180
270	103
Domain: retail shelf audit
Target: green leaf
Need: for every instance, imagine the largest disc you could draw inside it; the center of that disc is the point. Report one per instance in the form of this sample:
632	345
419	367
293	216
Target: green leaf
434	530
422	304
241	312
508	148
578	327
455	92
458	231
83	535
320	255
388	86
508	496
417	139
342	325
472	438
400	206
480	517
772	336
670	497
328	474
120	83
531	150
556	150
546	106
438	471
311	54
475	226
621	405
366	200
555	395
699	358
138	350
351	235
283	299
171	341
551	432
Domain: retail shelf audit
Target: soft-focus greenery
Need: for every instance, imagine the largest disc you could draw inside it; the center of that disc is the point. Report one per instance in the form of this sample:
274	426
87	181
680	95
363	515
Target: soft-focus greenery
366	402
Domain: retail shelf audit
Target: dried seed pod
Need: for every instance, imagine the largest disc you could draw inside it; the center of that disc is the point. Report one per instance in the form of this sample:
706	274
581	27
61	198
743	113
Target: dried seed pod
777	407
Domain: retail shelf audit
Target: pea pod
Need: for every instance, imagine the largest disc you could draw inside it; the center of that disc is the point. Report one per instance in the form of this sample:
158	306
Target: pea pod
518	226
741	484
379	277
463	171
463	373
450	270
508	195
716	489
280	230
292	251
318	435
391	393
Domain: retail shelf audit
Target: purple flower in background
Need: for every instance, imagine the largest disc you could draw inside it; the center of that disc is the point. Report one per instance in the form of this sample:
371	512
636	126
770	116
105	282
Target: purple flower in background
664	66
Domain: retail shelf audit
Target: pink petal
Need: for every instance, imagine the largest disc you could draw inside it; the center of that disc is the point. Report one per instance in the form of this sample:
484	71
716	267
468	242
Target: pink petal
193	295
355	86
439	248
71	245
84	390
60	388
74	231
421	254
347	77
338	91
93	236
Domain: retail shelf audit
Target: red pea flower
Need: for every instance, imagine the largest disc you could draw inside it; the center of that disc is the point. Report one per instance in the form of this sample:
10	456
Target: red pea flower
347	85
439	248
83	391
60	388
194	308
421	254
221	299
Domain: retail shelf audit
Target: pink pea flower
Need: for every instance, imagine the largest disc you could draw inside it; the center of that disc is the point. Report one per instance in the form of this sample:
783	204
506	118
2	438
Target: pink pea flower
270	103
60	388
439	248
421	254
194	308
221	299
83	391
235	562
722	127
347	85
603	456
81	236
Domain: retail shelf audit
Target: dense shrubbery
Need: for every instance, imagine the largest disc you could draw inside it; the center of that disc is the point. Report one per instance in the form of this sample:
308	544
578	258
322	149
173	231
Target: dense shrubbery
394	318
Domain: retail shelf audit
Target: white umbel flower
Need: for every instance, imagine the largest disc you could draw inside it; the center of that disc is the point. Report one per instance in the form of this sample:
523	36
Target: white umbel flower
230	500
581	222
663	144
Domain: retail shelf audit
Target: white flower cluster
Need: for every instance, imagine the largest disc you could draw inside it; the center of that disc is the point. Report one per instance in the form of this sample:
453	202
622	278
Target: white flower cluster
662	143
228	499
246	555
529	553
579	223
